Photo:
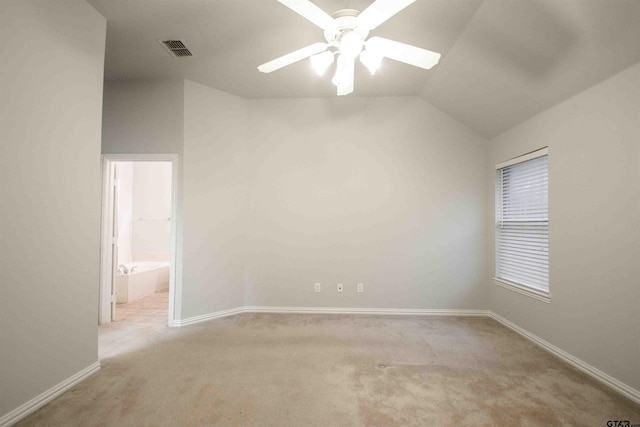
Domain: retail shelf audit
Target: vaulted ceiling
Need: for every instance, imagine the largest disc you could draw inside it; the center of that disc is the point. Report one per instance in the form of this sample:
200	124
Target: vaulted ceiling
502	62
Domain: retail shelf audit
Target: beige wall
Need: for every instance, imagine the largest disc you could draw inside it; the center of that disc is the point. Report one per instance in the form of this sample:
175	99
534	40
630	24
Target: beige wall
594	237
215	200
142	116
50	106
281	194
386	191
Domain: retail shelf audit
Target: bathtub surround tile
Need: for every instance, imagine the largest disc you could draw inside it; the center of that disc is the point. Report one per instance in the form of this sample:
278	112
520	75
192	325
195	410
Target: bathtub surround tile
150	256
301	369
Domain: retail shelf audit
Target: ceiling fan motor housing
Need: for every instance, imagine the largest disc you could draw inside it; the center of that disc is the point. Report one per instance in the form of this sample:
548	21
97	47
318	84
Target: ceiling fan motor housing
346	22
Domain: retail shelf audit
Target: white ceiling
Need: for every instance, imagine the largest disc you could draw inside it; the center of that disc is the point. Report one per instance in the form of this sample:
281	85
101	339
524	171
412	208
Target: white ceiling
502	60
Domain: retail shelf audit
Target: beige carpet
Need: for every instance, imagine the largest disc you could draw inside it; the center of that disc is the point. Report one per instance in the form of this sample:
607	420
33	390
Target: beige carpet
330	370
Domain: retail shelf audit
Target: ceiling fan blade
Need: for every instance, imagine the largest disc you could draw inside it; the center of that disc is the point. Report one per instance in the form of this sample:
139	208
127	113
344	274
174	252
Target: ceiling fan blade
290	58
402	52
311	12
379	11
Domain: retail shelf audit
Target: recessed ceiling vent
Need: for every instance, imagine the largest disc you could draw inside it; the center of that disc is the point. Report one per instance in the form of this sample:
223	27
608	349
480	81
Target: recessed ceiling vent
176	48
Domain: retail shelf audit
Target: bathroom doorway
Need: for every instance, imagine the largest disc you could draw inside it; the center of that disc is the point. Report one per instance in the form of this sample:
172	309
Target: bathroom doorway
137	277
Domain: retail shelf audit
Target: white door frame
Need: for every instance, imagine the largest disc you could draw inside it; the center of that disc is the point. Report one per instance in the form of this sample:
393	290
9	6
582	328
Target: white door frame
106	259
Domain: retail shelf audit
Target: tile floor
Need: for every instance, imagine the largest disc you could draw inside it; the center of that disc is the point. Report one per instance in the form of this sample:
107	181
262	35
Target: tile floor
150	309
138	324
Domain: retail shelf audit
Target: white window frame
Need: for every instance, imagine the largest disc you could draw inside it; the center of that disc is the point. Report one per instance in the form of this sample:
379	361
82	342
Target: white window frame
531	292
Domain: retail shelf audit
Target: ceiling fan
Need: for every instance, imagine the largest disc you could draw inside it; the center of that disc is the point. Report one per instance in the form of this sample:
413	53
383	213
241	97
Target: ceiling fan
346	37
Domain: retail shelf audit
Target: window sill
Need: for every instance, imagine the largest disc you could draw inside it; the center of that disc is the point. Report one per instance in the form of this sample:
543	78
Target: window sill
531	293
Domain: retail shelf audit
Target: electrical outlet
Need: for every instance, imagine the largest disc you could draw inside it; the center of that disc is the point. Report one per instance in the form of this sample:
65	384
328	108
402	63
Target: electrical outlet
318	288
360	287
340	287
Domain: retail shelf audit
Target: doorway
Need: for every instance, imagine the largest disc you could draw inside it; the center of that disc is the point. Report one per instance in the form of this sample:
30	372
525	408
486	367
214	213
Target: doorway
138	245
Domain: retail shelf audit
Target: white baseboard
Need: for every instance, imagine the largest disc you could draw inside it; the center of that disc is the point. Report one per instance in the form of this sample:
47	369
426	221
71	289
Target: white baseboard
376	311
594	373
328	310
205	317
46	397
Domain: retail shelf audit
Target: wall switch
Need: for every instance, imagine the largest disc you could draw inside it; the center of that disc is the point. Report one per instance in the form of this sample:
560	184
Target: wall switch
360	287
318	288
340	287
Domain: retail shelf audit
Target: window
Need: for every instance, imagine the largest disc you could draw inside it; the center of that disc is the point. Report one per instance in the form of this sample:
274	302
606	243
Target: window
522	225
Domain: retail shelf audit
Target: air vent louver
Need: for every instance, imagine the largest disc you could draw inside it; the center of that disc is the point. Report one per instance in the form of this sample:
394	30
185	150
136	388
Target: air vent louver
176	48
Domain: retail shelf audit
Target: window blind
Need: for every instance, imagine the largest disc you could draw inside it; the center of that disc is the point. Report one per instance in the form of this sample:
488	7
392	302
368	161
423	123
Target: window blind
522	222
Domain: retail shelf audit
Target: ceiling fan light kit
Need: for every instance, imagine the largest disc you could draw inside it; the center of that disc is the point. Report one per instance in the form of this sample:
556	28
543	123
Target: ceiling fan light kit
321	61
371	60
346	38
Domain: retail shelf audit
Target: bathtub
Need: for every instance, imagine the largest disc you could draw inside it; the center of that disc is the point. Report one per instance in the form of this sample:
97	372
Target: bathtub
148	278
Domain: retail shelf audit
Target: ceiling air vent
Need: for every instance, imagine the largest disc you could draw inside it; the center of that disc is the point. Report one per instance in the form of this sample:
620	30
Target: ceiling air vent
176	48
